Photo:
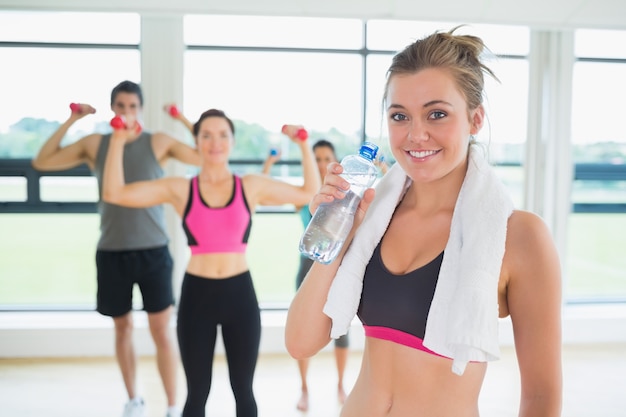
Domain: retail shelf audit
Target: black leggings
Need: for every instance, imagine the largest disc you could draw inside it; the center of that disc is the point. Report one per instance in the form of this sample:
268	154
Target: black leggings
231	303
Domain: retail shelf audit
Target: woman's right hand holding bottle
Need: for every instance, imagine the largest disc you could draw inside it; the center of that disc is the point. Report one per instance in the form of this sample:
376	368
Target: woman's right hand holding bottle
334	187
334	223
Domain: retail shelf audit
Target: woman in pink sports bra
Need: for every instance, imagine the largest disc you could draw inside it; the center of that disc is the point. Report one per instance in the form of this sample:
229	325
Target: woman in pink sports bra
433	101
216	208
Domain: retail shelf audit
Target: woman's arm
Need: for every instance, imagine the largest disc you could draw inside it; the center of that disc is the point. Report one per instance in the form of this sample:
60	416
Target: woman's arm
138	194
176	114
534	302
307	329
178	150
265	190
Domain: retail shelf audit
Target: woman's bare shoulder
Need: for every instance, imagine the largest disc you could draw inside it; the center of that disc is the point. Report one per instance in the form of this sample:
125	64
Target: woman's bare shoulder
529	246
523	222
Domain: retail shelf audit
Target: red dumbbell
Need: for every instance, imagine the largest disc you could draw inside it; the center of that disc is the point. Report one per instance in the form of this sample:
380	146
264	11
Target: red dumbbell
173	110
75	107
119	122
301	133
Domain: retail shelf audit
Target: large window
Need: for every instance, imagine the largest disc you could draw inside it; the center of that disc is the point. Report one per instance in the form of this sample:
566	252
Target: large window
263	79
597	227
327	74
280	70
50	60
331	83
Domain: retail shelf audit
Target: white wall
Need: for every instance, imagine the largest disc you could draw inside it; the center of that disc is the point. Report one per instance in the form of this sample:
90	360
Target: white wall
85	334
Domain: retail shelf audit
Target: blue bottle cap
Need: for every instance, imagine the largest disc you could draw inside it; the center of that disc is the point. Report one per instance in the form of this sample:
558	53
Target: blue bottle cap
273	152
368	150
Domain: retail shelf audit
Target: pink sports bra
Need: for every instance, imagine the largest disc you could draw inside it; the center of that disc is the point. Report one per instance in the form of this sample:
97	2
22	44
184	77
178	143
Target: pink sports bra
217	229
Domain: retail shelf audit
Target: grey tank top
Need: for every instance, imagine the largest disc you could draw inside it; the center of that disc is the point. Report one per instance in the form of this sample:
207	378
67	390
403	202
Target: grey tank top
123	228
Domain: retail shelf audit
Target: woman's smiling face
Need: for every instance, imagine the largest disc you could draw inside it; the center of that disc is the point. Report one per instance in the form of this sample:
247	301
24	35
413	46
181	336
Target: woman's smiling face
429	123
215	139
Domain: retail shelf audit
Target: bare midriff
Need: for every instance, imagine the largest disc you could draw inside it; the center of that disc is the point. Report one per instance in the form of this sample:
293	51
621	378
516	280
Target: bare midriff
217	265
399	381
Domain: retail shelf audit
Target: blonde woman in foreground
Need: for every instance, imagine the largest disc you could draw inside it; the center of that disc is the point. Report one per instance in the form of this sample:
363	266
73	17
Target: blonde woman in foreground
441	272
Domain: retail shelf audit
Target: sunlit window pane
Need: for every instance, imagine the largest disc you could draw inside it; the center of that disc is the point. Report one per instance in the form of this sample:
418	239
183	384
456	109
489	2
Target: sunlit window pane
394	35
321	91
34	101
64	270
596	261
598	112
375	123
59	189
274	269
506	107
273	31
74	27
13	189
512	176
593	43
597	191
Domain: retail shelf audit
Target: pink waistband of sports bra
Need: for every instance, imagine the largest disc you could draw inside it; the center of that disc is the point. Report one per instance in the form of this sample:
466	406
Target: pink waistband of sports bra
398	336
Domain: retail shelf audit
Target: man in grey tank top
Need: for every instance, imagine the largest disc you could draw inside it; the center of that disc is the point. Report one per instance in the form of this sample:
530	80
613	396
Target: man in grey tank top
132	248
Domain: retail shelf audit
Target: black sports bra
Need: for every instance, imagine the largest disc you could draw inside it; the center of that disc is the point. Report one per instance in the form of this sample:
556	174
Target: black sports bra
395	307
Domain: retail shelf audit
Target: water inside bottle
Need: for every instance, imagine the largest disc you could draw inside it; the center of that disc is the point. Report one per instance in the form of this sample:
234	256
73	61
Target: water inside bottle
360	181
325	235
319	246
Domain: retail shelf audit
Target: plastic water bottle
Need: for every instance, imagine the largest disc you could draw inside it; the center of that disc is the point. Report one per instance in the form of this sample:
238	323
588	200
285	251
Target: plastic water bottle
329	227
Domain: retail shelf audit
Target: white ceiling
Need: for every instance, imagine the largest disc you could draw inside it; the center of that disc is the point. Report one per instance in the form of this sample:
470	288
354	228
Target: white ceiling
543	14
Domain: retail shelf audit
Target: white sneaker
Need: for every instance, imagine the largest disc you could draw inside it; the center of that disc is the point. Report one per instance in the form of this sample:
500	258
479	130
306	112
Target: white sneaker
173	412
134	408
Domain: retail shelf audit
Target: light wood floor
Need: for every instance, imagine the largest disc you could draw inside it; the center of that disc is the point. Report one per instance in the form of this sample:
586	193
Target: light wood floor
595	386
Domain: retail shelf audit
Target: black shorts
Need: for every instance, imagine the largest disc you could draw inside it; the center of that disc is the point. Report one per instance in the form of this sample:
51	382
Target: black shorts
119	271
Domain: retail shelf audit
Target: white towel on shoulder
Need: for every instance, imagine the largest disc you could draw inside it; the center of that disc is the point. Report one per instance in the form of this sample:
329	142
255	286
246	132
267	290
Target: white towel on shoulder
462	322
